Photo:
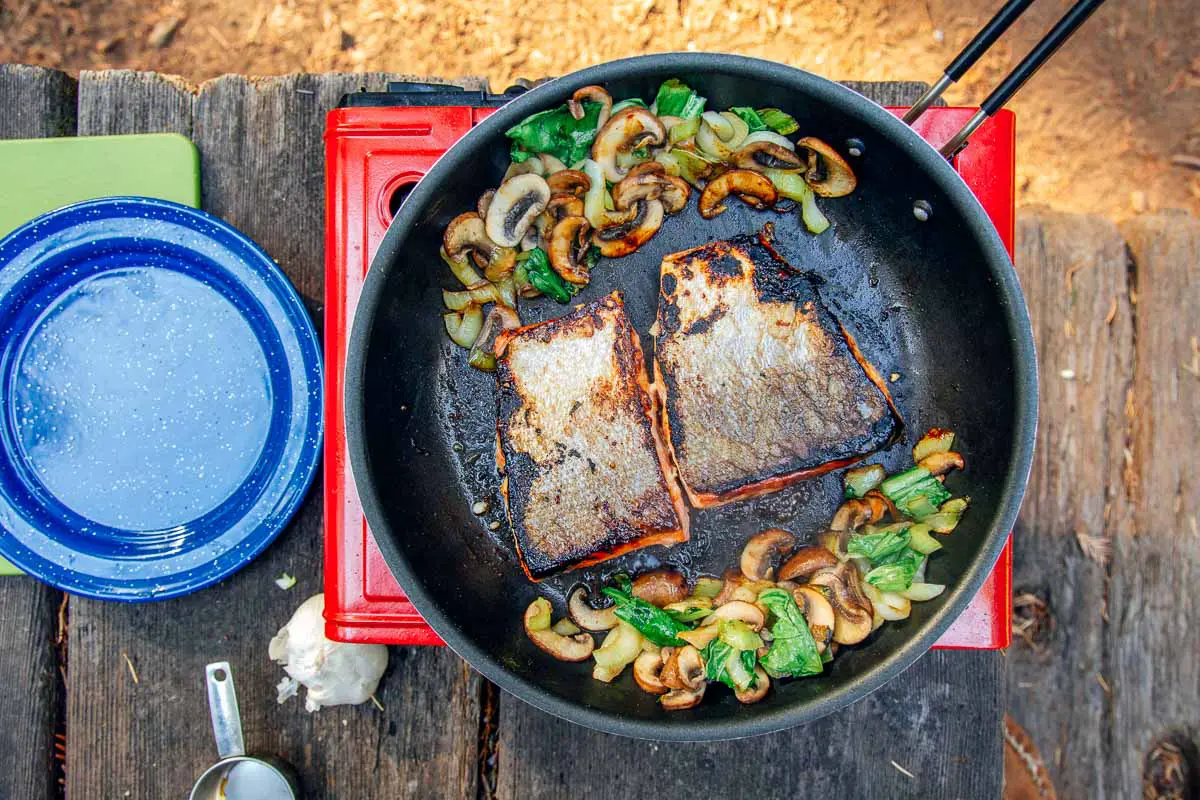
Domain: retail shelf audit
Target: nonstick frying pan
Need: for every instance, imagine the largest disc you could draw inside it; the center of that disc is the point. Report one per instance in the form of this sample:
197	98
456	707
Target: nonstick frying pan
935	300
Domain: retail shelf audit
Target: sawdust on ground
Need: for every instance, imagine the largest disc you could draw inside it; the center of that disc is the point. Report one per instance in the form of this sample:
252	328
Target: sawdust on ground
1112	125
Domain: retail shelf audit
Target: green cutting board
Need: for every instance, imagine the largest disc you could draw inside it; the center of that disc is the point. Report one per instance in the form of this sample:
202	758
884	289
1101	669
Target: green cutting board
40	175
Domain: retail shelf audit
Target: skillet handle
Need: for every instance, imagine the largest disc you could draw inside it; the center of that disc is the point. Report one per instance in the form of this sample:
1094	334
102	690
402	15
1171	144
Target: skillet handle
1038	56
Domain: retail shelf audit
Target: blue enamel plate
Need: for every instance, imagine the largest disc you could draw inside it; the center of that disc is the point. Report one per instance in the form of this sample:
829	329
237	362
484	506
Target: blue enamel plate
161	388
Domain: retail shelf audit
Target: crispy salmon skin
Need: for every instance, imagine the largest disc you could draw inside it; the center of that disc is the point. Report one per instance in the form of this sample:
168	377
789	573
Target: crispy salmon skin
586	473
761	384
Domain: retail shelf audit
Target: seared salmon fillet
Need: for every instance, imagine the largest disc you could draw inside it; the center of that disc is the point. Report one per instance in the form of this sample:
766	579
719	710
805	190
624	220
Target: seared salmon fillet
586	473
761	385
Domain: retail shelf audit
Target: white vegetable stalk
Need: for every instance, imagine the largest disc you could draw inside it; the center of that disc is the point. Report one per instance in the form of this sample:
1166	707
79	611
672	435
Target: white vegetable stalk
334	673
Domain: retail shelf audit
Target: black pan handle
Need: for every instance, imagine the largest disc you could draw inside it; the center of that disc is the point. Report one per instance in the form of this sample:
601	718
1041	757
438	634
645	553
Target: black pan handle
1038	56
962	62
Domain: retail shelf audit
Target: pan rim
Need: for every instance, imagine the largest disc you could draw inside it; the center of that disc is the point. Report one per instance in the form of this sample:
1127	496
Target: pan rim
1025	380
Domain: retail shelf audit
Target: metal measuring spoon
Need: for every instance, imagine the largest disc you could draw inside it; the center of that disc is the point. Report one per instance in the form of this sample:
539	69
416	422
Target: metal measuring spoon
238	776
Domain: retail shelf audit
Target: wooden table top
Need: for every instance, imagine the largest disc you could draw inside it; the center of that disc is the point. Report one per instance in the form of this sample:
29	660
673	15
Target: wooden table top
1106	546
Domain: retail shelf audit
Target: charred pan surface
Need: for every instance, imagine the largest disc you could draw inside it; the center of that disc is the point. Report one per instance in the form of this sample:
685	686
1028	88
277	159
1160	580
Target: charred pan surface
587	475
762	386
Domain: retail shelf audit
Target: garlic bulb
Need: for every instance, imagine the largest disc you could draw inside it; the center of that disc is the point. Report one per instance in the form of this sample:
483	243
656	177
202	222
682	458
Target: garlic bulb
334	673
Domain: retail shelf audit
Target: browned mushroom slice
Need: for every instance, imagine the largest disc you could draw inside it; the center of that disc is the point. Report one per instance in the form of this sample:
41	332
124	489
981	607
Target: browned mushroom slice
753	188
565	648
569	243
679	699
593	94
827	173
852	611
569	181
766	155
651	185
941	463
736	586
646	168
588	618
819	613
564	205
762	551
740	610
485	200
660	587
757	692
805	562
684	669
863	511
465	234
513	209
647	669
628	129
623	238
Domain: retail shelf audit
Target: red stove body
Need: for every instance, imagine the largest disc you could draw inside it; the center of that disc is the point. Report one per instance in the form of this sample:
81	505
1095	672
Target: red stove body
373	155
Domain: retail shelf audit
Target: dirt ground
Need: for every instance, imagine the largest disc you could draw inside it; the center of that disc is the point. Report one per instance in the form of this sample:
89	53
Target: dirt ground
1112	125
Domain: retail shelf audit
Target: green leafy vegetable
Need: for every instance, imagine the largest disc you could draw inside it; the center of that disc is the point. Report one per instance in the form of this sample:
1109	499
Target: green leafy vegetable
860	480
778	121
915	492
556	132
728	665
542	276
816	222
750	117
518	154
676	99
739	635
921	540
948	516
878	546
895	573
651	621
689	614
793	650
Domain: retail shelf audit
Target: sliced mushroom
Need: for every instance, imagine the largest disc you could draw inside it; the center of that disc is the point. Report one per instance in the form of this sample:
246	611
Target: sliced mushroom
827	174
941	463
762	551
858	512
565	648
517	203
737	587
679	699
753	694
586	617
660	587
754	189
564	205
485	200
569	181
651	185
684	669
805	562
762	155
852	610
819	613
569	243
623	238
647	668
628	129
748	613
593	94
467	233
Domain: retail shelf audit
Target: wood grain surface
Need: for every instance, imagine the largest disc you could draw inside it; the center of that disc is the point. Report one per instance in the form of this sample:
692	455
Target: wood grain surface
34	103
1107	551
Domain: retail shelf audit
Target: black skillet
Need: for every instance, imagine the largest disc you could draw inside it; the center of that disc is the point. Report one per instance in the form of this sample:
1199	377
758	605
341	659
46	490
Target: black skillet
936	301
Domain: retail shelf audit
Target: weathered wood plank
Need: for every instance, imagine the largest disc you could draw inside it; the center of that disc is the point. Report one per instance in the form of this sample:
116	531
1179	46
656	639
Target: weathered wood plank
1153	647
1073	269
261	156
37	103
946	733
